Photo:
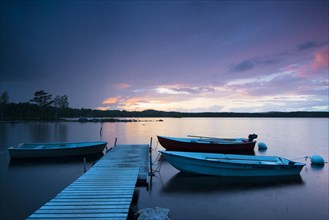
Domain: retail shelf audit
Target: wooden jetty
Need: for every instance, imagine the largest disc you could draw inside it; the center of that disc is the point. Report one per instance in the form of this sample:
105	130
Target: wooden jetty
125	156
105	191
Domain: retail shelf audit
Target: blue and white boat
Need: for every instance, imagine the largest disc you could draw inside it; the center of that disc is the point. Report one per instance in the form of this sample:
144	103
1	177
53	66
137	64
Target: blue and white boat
61	149
231	164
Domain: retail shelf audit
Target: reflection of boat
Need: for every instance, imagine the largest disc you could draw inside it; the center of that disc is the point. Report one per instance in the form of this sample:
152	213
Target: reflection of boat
64	149
186	183
209	145
231	164
49	161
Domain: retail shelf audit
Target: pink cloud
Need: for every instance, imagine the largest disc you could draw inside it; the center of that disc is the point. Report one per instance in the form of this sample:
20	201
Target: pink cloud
320	60
317	67
110	101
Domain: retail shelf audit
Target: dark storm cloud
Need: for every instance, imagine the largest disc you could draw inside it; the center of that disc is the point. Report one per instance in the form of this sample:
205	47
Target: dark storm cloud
243	66
311	44
307	45
250	64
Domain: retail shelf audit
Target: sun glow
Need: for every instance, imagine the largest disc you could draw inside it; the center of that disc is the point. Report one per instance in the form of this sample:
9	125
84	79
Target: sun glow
112	100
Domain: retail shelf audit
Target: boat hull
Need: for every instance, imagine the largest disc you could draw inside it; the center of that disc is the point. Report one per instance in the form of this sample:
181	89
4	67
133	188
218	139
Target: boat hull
187	162
62	150
190	145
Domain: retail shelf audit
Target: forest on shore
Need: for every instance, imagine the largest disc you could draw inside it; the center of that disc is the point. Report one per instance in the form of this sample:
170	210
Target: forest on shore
43	107
28	111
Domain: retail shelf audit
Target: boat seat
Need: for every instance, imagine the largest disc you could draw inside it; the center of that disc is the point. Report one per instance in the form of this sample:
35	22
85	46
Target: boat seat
268	162
39	147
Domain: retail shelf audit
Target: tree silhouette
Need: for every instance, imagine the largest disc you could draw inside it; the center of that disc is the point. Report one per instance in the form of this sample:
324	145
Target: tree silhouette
4	98
42	98
61	103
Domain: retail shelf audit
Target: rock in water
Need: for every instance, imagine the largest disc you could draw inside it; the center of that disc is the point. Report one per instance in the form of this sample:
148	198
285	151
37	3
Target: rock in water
156	213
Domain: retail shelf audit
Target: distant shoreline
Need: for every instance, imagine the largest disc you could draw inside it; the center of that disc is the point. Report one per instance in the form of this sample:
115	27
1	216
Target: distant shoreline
33	112
145	116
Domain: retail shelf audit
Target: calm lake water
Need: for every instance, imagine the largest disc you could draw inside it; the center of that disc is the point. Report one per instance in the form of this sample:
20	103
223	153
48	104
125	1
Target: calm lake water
26	185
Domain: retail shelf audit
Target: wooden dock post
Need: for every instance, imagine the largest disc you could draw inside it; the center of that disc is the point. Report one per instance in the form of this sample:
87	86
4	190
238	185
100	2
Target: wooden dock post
150	159
84	165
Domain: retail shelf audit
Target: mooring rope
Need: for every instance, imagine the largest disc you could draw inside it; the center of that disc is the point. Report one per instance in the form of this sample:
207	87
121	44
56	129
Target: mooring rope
309	157
156	146
306	157
156	159
158	167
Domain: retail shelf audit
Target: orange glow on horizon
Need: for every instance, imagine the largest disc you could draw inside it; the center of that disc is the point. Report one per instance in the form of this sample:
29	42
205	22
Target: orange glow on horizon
102	108
110	101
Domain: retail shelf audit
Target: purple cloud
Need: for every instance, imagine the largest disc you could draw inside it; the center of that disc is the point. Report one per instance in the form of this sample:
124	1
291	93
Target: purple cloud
311	44
250	64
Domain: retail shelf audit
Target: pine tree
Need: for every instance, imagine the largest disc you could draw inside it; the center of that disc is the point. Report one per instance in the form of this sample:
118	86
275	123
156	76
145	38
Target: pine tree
42	98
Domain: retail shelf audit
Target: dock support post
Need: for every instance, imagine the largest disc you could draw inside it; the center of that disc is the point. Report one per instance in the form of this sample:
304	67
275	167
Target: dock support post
115	142
100	131
150	155
84	165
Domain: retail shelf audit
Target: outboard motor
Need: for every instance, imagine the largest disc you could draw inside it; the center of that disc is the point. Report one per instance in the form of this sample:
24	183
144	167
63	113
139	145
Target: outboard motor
251	137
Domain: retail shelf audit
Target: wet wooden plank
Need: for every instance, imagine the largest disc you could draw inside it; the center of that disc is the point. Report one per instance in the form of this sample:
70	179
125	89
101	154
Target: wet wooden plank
86	202
105	191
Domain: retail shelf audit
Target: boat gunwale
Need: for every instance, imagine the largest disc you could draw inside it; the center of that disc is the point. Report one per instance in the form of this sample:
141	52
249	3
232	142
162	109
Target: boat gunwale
66	145
208	141
231	161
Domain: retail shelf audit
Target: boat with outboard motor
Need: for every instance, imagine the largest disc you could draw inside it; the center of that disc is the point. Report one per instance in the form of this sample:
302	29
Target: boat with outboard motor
208	144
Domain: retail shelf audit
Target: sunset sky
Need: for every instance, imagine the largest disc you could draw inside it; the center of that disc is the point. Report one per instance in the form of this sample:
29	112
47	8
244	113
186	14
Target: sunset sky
188	56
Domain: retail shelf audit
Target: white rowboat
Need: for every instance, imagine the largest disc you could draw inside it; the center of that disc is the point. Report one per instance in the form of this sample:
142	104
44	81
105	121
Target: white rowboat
232	164
63	149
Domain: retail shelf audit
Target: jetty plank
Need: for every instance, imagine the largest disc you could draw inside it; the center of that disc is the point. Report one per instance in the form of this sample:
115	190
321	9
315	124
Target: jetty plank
128	156
105	191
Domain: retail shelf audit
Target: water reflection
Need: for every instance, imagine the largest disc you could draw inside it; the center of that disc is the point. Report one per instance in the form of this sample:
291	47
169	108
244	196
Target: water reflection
39	131
4	137
35	162
193	183
61	132
278	198
317	167
44	132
